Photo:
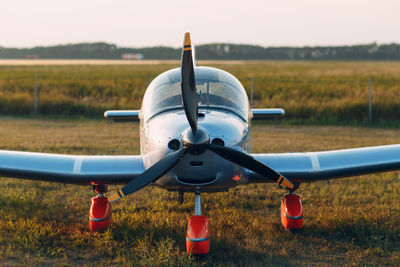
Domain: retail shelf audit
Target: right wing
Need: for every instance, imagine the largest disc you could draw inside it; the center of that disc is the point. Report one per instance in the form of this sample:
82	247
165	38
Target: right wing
325	165
71	169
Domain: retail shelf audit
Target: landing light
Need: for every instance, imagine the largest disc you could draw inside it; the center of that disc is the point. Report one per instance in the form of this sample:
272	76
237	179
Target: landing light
218	142
174	144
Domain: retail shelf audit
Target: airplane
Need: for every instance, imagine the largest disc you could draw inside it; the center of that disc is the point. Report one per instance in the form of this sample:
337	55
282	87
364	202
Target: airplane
195	137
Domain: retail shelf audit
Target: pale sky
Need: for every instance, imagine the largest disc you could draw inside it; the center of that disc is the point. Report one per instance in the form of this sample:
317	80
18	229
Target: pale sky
131	23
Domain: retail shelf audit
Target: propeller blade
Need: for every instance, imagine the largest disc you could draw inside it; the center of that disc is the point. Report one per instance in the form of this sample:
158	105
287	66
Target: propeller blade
188	84
149	176
250	163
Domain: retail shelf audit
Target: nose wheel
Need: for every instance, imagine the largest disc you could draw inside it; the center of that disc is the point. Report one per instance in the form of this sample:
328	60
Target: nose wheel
198	234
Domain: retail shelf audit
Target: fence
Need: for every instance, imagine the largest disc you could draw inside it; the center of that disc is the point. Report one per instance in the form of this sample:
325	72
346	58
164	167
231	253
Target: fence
303	99
361	92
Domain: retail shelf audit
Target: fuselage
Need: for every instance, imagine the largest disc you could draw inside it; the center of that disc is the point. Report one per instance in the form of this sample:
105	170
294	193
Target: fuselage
223	114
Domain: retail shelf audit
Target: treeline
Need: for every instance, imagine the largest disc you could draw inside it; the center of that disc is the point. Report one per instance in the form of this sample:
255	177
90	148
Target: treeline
210	52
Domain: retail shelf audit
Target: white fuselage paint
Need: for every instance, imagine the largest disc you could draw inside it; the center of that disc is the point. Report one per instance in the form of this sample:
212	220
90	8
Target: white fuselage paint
215	173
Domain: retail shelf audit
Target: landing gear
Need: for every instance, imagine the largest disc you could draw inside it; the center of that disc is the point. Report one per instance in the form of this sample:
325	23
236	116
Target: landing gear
291	211
181	198
100	211
198	234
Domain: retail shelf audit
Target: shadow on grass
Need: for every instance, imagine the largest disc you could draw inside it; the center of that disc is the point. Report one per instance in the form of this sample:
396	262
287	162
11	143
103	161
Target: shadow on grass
134	239
27	208
221	252
361	234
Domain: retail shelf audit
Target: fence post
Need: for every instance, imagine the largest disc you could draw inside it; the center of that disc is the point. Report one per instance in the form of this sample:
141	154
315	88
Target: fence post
370	100
35	100
252	92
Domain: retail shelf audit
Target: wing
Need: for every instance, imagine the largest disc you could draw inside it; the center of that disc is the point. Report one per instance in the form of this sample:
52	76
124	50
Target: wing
70	169
314	166
122	115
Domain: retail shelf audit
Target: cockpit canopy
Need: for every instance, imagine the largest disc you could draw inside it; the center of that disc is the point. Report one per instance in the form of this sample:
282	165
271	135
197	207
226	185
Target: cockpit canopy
216	89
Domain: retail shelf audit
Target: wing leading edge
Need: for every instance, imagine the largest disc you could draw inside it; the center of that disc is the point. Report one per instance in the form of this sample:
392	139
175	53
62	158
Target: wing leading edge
324	165
71	169
299	167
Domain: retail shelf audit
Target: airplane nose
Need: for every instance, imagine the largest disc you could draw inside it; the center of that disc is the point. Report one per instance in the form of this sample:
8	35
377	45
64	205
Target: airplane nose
201	137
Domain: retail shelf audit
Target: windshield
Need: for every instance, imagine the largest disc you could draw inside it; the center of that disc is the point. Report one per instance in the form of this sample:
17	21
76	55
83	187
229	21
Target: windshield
215	89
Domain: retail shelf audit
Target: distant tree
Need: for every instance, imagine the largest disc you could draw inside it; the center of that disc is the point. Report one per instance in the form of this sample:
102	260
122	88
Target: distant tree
221	51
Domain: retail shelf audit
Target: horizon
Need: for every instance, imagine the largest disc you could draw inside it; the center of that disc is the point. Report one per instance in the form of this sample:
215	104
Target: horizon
178	47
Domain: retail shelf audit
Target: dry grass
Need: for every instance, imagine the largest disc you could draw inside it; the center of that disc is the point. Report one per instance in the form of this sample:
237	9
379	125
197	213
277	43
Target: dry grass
352	221
316	92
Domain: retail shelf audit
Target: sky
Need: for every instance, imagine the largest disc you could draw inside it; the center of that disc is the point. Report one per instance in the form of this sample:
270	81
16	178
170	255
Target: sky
146	23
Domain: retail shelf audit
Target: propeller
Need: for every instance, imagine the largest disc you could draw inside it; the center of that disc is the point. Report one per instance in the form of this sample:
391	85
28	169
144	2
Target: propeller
189	99
248	162
195	140
150	175
188	84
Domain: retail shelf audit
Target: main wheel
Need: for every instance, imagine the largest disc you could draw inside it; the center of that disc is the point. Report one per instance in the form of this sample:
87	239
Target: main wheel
100	214
292	211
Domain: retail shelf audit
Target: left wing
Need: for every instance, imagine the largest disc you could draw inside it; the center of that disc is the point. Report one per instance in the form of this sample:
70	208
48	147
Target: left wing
71	169
314	166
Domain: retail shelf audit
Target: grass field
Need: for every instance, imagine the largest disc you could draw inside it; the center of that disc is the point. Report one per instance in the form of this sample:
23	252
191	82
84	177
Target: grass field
312	92
352	221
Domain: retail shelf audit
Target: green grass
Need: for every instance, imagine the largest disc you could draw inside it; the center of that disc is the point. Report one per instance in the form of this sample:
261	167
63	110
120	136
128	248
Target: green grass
311	92
352	221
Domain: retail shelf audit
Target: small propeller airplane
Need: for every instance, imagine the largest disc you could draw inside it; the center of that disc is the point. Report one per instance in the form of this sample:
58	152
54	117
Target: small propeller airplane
195	136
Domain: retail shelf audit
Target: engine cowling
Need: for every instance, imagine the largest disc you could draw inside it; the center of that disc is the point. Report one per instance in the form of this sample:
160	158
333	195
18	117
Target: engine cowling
100	214
292	211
